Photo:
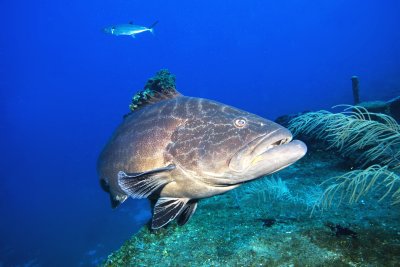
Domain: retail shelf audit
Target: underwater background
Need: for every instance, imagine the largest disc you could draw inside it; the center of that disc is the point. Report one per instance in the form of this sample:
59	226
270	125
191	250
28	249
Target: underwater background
65	86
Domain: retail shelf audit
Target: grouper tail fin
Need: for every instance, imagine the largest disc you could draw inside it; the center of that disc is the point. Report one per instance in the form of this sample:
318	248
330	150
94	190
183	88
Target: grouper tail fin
152	27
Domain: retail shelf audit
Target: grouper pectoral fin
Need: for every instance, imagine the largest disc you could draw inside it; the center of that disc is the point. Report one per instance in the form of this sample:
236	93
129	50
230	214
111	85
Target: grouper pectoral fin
167	209
115	199
187	212
143	184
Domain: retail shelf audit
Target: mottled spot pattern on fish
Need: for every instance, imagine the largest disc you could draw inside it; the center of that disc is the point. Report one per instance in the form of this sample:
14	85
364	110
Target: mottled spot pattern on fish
177	150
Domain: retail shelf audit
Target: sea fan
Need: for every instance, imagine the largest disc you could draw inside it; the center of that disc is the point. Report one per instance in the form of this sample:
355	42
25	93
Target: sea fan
374	136
355	184
275	189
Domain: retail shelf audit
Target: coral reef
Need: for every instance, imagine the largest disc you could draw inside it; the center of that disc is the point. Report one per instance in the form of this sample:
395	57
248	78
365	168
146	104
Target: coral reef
391	107
238	229
283	220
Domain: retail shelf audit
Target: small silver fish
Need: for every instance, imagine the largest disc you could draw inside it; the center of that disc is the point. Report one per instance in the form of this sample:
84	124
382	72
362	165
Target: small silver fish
176	150
129	29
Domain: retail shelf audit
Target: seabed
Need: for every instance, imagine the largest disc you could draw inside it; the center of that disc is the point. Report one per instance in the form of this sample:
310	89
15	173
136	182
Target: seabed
253	226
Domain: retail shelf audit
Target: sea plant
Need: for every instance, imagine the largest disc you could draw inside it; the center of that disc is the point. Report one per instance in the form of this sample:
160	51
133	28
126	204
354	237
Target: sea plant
374	137
272	189
352	186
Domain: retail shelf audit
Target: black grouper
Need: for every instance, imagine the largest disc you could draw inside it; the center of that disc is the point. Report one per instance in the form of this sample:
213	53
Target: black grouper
176	150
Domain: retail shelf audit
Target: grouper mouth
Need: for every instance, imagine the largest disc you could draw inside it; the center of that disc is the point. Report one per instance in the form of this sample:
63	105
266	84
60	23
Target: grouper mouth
266	154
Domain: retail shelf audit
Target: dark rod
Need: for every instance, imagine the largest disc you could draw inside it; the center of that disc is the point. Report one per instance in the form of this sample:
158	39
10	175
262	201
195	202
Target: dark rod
355	86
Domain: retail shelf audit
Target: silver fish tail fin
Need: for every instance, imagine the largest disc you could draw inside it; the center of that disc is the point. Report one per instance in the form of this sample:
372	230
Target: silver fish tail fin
151	28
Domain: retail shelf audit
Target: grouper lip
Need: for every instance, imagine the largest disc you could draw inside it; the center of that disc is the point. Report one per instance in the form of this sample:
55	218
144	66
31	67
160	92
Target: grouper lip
292	151
246	155
265	158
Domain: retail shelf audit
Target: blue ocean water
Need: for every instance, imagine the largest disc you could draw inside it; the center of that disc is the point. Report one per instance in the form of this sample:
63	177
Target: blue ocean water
65	85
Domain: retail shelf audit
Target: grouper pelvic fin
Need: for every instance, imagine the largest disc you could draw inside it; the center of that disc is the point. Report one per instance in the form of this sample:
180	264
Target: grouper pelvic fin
143	184
158	88
187	212
116	200
167	209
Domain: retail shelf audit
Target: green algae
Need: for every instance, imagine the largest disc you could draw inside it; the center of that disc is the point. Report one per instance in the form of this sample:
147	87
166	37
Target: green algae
162	84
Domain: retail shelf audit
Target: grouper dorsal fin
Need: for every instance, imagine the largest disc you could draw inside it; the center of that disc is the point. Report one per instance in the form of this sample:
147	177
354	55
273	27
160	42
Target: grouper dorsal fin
143	184
157	88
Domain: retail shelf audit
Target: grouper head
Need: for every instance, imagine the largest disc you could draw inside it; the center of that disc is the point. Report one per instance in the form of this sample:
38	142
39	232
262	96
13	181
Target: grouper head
271	150
227	146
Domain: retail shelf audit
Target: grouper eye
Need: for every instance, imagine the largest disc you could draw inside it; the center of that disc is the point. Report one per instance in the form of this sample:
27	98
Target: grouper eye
240	122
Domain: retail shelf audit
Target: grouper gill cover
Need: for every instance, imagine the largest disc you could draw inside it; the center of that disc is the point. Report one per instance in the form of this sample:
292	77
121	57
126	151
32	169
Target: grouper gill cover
176	150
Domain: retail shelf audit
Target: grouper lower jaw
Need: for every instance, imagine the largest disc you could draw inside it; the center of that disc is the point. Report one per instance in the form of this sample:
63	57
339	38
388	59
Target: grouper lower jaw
277	158
243	159
272	159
